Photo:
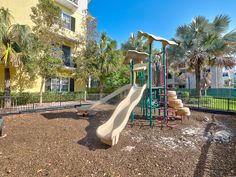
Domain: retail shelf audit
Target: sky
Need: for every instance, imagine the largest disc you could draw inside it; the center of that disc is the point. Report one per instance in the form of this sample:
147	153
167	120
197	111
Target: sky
120	18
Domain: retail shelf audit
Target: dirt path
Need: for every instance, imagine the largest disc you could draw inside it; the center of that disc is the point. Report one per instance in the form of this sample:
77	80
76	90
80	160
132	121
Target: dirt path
63	144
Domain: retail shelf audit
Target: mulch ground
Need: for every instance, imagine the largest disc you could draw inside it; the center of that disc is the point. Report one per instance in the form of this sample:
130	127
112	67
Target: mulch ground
63	144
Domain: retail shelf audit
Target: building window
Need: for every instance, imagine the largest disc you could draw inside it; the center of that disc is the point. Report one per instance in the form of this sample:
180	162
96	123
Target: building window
69	21
66	55
226	82
169	76
182	86
58	84
225	74
64	85
55	84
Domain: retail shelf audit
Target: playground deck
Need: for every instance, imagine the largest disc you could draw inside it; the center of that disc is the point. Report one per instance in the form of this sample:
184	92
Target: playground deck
63	143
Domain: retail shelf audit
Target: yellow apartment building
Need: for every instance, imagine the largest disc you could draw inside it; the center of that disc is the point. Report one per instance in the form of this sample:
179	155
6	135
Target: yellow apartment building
73	12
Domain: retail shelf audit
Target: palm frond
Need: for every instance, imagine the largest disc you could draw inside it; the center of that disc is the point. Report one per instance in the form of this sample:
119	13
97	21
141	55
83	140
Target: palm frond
224	61
199	25
221	23
5	16
230	37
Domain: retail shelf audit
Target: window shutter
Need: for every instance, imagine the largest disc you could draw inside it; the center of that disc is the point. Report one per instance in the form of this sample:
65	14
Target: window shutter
72	85
72	24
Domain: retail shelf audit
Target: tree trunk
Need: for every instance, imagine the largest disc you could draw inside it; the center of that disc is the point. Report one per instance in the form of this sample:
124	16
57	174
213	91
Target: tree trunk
7	88
198	80
101	88
41	91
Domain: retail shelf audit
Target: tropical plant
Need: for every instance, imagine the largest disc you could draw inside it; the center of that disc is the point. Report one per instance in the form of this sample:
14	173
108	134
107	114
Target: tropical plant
203	43
16	45
135	43
118	78
108	61
99	59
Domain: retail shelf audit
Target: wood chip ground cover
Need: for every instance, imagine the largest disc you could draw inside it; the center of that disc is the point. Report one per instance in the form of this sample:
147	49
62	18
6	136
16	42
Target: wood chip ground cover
63	143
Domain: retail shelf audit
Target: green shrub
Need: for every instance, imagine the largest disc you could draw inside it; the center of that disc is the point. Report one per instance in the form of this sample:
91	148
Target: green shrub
202	100
185	94
62	96
28	98
96	90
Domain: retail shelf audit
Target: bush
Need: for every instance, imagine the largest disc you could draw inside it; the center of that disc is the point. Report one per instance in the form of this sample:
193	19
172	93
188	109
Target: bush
62	96
185	94
27	98
202	100
96	90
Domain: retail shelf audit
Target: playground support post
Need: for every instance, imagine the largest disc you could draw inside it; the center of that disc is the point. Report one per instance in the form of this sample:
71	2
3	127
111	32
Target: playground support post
132	82
150	83
165	86
142	80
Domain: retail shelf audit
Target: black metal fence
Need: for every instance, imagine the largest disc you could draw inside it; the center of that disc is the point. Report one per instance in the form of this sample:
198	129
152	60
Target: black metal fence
60	100
27	102
208	102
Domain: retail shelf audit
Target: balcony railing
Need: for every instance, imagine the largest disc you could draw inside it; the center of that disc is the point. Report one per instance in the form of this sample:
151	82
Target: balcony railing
74	1
67	62
71	4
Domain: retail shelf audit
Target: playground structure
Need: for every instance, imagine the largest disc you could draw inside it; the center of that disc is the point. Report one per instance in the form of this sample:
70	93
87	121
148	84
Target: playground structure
151	92
157	97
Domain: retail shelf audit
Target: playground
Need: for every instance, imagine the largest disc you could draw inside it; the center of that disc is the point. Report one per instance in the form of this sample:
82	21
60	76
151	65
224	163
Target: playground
140	129
64	143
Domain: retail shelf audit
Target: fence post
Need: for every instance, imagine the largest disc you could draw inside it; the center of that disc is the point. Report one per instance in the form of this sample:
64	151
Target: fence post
60	99
85	95
198	102
80	97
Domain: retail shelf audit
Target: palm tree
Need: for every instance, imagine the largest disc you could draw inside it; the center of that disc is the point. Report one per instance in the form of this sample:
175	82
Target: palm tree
15	42
107	60
135	42
100	58
203	43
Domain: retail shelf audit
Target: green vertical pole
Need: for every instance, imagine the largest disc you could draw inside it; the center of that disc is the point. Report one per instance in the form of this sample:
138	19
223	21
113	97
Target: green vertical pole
132	71
157	74
158	91
165	96
146	104
132	82
150	83
143	80
141	83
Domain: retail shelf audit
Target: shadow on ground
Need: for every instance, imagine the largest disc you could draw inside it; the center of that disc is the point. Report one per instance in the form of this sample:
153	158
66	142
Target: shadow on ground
200	168
94	119
62	115
90	140
214	160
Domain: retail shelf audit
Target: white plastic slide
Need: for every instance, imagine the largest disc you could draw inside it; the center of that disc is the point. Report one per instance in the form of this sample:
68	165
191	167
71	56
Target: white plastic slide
109	132
106	98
